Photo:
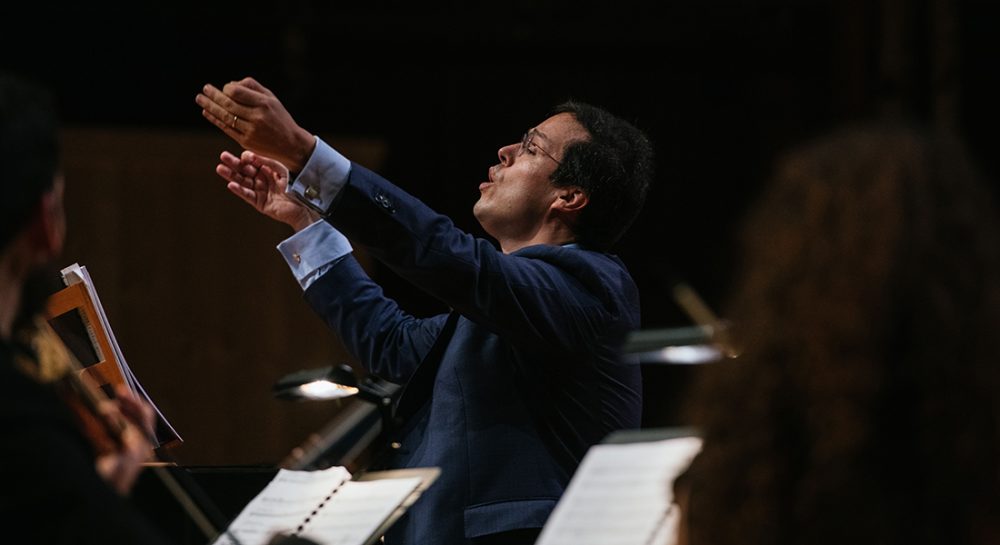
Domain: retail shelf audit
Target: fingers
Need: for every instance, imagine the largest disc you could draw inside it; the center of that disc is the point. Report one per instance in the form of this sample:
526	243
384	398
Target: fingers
276	167
222	110
135	410
242	173
229	170
245	94
228	128
217	103
248	195
246	185
121	468
238	165
253	178
253	84
241	177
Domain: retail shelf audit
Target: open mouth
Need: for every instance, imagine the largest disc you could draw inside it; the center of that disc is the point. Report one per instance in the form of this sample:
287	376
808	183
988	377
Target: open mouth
489	180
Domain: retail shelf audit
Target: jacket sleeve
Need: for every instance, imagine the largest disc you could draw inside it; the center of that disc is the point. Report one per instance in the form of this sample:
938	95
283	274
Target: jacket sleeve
541	296
386	340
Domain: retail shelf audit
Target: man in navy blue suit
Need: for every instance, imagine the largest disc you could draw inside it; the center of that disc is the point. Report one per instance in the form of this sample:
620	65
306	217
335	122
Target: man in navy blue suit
508	391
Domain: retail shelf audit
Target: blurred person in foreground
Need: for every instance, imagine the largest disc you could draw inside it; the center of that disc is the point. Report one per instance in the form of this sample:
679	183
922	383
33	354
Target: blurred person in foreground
865	406
63	483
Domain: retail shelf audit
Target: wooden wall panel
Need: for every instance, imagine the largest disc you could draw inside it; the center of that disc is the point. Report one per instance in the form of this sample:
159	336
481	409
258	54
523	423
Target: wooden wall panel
204	308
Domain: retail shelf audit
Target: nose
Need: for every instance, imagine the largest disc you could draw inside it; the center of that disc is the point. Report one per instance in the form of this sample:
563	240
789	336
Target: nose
507	154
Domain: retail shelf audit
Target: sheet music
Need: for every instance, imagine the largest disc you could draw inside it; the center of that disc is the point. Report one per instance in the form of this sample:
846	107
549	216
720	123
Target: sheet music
325	506
283	505
75	274
355	512
621	495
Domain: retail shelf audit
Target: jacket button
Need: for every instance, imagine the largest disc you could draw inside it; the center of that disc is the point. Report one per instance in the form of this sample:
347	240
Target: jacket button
385	203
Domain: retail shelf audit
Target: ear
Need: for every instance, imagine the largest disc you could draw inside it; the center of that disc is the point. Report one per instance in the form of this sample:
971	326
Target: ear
570	199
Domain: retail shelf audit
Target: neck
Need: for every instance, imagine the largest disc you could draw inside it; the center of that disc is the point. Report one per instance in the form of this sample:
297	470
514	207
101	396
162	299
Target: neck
553	234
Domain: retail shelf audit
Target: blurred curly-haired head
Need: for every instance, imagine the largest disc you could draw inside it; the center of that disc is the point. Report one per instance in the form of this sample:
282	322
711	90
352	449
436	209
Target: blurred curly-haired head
865	407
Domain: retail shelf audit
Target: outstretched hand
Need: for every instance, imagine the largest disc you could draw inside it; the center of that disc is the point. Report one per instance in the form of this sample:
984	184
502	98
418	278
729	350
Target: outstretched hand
250	114
261	182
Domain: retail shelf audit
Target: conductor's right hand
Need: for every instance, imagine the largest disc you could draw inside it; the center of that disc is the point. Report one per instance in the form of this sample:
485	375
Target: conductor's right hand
250	114
261	182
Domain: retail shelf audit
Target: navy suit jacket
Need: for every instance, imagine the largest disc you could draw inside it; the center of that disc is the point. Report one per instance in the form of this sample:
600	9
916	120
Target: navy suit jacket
521	385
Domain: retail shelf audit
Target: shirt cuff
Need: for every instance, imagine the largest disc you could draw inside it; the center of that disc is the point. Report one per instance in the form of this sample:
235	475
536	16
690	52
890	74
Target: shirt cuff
313	250
321	179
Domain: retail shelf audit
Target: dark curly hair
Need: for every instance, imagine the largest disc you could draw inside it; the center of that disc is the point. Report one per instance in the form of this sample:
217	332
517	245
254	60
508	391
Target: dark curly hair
866	405
614	167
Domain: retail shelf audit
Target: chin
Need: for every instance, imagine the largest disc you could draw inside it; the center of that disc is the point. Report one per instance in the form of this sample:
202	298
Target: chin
477	210
482	216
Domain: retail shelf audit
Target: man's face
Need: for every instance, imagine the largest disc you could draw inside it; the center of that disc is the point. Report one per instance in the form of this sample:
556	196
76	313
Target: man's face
514	202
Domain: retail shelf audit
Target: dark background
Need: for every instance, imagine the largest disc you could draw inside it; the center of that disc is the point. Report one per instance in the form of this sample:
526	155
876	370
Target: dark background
721	87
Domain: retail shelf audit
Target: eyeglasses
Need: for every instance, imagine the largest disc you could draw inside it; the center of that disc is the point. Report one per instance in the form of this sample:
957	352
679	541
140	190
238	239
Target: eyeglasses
528	144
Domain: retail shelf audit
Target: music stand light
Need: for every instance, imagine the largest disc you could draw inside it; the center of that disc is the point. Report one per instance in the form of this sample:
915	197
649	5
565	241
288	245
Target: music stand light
332	382
346	439
673	346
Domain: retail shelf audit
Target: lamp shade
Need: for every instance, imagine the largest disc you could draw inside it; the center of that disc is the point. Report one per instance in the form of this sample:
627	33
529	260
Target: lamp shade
332	382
